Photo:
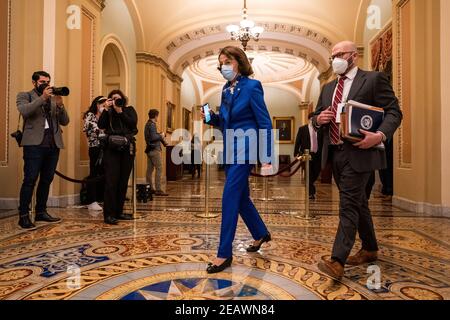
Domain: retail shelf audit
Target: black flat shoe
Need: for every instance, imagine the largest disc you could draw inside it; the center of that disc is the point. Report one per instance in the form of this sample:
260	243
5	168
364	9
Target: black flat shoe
212	268
253	248
44	216
125	217
25	223
111	221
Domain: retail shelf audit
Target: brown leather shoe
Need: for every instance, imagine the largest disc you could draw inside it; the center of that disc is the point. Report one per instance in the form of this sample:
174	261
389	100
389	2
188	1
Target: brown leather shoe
332	268
362	257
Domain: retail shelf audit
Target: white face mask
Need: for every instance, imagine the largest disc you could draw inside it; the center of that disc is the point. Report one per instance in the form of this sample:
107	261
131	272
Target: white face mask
340	66
228	73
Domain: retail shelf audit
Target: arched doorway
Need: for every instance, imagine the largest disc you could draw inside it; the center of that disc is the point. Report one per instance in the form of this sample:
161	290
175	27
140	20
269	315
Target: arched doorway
114	68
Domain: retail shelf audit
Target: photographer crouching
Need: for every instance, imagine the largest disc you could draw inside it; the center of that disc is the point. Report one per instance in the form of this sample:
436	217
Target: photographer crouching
119	123
43	112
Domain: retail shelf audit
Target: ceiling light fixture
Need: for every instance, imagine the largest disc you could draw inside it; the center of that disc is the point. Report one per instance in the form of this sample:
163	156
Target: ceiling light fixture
246	30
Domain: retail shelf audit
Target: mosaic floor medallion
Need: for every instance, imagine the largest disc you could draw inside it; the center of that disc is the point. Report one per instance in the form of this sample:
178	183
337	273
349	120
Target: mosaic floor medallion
163	254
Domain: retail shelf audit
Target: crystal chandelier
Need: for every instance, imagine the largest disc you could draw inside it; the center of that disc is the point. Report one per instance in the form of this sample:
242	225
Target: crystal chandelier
246	31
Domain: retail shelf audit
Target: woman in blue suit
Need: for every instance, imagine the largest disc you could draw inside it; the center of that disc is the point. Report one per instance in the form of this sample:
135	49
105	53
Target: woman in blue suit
242	119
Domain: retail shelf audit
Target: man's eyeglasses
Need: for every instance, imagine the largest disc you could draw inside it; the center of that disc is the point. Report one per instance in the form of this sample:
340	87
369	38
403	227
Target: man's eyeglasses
339	55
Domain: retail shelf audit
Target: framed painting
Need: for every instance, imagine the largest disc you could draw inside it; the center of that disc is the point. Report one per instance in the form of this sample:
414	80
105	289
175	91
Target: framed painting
170	117
187	119
285	127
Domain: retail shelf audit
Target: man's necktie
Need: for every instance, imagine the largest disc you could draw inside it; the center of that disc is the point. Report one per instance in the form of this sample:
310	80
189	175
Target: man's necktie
335	136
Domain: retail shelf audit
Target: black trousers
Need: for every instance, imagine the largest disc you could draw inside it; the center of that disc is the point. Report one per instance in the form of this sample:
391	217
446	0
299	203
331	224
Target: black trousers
118	166
39	162
386	175
95	190
354	212
315	166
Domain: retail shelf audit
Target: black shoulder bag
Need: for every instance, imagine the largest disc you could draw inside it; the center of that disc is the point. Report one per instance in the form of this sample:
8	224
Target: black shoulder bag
115	141
18	134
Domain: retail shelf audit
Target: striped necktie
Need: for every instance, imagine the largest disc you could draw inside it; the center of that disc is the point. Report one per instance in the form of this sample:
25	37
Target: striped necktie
335	136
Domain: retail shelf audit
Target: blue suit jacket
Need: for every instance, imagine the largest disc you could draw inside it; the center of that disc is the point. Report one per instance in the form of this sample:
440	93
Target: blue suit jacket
240	111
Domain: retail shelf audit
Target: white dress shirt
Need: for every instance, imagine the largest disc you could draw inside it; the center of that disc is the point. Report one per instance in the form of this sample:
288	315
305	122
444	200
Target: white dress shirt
313	138
347	84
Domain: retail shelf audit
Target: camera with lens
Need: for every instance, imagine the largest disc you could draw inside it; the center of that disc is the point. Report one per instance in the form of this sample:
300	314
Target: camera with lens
57	91
62	91
120	103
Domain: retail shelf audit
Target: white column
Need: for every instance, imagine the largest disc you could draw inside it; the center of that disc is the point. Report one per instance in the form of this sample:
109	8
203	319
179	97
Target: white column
49	23
48	63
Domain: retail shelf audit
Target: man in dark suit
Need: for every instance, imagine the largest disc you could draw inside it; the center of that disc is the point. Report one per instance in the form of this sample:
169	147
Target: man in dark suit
353	163
310	139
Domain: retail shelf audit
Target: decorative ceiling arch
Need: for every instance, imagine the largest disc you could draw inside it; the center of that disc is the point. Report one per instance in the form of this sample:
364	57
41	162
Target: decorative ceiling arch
180	62
269	67
137	22
266	14
297	30
360	24
300	40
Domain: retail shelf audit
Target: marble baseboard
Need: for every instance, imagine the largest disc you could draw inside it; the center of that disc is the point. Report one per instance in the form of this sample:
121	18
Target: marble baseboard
424	208
56	202
9	203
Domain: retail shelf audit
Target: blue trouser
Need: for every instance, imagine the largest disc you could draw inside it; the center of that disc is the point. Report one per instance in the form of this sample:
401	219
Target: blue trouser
235	200
38	162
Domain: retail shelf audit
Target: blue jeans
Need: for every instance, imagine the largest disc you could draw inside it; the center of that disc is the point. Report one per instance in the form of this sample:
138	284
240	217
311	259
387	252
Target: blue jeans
38	162
236	200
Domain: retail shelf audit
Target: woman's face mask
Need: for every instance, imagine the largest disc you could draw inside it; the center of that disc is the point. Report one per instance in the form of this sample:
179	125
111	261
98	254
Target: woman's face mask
101	107
228	72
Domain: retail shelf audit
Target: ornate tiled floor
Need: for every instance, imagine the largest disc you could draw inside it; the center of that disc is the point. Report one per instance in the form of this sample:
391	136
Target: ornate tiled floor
163	254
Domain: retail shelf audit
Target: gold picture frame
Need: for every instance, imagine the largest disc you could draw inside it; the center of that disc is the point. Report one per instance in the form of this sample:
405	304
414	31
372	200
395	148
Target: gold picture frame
187	119
170	117
285	127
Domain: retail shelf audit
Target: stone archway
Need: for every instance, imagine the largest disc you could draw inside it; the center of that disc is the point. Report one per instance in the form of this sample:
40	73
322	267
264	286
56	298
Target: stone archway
114	67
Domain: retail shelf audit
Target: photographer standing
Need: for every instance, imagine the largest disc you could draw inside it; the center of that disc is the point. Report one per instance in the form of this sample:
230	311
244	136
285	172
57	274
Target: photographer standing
43	113
91	117
120	125
153	151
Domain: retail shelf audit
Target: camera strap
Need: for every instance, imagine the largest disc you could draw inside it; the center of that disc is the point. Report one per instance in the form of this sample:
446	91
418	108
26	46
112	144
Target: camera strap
111	125
18	123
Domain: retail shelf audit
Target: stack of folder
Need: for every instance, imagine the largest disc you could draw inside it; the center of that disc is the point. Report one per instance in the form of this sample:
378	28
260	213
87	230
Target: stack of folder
356	116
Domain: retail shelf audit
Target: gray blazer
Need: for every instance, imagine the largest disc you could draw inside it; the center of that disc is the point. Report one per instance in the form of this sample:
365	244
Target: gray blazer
372	88
30	106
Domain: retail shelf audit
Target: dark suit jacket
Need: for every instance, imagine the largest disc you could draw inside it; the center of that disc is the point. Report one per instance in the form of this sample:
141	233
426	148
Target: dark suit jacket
303	141
372	88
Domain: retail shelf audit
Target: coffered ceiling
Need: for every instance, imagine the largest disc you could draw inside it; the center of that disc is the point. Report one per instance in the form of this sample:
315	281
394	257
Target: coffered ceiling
176	29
